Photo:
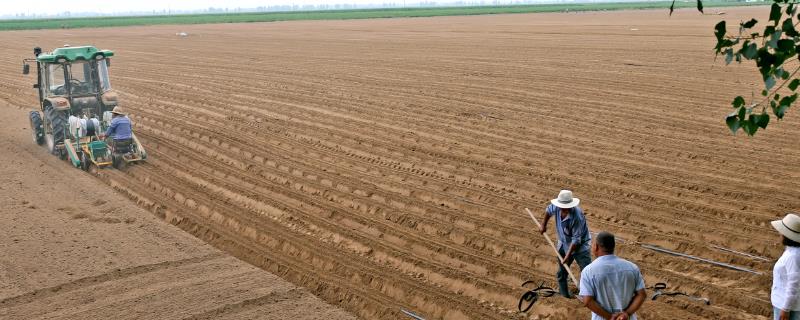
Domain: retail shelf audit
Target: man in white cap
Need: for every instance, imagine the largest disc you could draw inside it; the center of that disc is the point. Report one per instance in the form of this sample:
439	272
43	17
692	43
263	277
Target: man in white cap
574	239
786	274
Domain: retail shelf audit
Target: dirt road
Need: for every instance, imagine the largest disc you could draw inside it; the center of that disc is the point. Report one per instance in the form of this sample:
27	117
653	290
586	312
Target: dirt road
72	248
385	164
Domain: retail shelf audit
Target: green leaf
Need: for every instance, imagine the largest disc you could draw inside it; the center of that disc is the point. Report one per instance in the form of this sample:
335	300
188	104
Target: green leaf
728	56
775	13
733	122
769	82
700	6
762	120
768	31
750	50
742	112
788	100
724	43
750	127
749	24
745	125
720	30
671	8
773	40
764	92
788	28
765	60
786	46
738	102
793	85
780	111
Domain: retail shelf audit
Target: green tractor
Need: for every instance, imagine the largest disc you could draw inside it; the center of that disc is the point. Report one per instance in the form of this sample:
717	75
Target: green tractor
75	104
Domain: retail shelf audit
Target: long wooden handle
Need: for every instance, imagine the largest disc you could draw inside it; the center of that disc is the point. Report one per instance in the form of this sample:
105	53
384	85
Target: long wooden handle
560	259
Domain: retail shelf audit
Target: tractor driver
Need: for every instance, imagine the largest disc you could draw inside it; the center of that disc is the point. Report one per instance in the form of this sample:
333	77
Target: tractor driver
120	131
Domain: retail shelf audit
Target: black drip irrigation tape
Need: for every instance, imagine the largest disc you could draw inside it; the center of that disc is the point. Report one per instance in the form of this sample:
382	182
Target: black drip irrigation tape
659	291
533	295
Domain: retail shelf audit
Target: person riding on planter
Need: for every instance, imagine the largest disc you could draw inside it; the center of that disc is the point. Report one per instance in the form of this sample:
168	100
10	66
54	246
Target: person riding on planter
120	131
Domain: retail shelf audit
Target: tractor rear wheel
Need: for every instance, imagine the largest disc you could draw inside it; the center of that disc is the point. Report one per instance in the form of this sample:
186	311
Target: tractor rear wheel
36	127
57	122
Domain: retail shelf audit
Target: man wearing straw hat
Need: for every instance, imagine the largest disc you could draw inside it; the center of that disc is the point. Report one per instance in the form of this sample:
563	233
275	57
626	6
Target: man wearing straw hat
120	131
574	238
786	274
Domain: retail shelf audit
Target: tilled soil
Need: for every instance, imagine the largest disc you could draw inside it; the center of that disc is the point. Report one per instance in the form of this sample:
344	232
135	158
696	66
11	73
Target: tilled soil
72	248
385	164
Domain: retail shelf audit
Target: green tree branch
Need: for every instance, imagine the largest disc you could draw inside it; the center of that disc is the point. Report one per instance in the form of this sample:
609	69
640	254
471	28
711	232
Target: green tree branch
770	49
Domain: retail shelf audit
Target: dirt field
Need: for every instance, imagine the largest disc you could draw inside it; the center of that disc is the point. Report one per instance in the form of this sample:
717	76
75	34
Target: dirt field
74	249
385	164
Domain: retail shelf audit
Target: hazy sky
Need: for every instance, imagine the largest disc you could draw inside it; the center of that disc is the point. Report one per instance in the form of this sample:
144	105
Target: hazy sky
111	6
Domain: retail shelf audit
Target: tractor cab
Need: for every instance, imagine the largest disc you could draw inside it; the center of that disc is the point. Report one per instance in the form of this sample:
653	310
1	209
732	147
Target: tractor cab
75	104
77	79
74	78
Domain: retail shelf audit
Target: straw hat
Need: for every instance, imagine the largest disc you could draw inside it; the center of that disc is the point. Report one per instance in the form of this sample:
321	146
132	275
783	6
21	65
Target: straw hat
118	110
789	226
565	200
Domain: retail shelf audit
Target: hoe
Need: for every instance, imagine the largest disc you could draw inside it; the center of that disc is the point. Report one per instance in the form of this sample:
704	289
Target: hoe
76	99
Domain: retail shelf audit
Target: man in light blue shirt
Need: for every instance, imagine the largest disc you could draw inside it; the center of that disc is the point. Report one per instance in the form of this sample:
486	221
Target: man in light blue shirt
120	128
573	235
612	287
120	131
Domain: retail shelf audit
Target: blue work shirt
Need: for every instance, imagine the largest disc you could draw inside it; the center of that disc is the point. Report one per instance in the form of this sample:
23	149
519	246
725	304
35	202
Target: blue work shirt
571	230
613	282
120	128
